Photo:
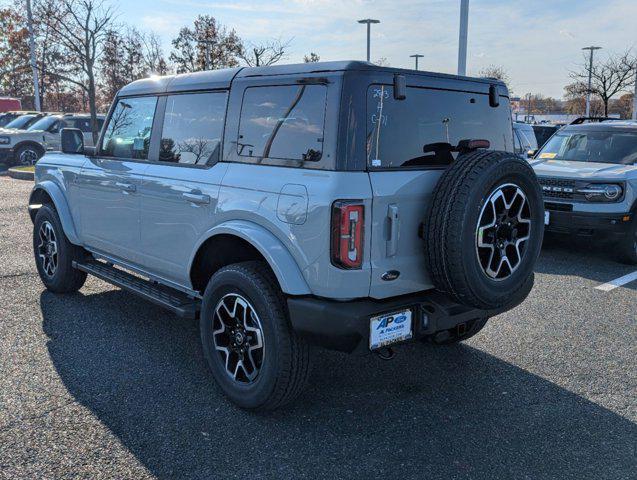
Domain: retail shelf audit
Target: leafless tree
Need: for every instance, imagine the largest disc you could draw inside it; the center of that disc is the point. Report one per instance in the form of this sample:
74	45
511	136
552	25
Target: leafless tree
311	58
608	78
80	27
259	55
153	54
497	72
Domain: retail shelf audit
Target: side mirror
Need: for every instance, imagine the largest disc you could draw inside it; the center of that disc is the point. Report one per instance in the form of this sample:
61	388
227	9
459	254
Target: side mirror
72	140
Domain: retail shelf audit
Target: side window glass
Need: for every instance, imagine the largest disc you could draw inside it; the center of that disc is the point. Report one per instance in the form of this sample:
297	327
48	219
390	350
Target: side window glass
55	128
193	126
129	128
283	122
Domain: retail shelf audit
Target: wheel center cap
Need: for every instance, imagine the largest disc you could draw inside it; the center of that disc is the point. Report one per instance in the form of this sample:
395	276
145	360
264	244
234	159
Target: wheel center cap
239	338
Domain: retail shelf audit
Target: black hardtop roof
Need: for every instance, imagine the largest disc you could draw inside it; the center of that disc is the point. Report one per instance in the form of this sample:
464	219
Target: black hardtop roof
605	126
211	79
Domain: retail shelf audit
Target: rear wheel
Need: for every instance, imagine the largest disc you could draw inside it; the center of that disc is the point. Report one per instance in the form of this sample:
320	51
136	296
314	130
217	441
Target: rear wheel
54	253
485	229
254	355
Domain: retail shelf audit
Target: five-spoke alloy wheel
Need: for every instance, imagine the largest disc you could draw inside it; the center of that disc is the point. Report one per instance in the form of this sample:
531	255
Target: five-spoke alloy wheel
238	338
47	249
504	227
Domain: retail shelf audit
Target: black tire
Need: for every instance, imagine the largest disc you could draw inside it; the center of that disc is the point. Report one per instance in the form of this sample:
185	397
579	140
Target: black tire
628	245
451	233
63	278
450	337
27	155
285	362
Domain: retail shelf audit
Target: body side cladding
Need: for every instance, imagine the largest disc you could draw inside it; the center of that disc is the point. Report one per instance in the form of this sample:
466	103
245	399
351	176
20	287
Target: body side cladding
269	246
61	206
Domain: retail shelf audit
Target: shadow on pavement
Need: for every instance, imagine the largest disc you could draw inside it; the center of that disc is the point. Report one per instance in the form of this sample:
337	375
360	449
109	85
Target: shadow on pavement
433	412
582	257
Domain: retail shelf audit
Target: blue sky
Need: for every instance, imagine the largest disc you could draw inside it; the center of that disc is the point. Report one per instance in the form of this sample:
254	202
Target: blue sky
537	41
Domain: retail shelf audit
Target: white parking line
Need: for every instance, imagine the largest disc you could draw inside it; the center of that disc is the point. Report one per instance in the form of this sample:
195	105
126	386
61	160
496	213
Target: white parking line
618	282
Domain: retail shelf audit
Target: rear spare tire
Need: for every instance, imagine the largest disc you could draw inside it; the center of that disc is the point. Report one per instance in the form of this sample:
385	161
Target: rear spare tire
484	229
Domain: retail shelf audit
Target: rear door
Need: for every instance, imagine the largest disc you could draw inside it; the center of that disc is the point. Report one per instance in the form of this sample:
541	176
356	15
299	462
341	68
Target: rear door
179	191
407	151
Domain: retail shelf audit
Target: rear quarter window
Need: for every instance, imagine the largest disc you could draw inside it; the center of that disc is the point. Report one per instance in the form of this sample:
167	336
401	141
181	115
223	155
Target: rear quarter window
414	132
283	122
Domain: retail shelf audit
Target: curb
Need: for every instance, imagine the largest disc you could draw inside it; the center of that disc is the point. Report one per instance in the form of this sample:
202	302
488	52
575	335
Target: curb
21	174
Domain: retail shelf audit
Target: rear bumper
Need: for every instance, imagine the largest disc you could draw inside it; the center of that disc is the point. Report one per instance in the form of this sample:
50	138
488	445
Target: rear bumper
344	326
588	223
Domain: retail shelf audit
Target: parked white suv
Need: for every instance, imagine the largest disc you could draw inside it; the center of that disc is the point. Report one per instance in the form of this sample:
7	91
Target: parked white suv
25	147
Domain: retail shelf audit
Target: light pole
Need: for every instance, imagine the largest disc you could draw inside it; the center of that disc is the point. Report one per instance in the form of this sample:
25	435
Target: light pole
369	22
34	65
634	117
462	42
416	56
590	74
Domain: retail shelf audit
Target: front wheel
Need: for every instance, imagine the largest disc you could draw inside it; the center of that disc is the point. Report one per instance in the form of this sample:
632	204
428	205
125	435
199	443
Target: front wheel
27	155
254	355
54	253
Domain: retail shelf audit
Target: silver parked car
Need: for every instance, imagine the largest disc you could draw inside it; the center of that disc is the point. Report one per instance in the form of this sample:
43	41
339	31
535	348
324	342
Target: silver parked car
524	139
588	173
340	204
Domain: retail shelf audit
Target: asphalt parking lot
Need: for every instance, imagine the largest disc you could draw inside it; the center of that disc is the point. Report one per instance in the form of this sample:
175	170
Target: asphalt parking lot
101	384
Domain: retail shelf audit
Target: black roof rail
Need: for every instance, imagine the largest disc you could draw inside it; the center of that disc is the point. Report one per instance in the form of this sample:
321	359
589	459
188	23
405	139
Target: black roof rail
580	120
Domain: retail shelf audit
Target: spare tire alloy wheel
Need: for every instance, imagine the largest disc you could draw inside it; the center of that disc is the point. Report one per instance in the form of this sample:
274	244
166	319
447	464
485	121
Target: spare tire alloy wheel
238	338
47	249
504	228
484	230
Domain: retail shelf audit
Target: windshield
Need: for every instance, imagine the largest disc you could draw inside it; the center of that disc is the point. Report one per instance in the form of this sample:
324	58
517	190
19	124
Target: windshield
43	124
21	122
592	146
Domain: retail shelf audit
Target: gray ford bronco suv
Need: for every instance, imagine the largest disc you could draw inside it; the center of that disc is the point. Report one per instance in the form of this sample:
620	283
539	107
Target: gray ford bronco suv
338	204
588	174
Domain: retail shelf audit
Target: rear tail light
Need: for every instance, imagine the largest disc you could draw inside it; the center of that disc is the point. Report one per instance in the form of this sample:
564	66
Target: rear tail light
348	218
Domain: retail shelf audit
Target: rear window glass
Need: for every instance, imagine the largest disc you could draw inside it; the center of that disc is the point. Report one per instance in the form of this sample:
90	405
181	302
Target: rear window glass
284	122
417	131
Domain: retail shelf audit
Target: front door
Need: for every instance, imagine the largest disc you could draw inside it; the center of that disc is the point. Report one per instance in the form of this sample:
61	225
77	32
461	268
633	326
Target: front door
110	182
179	192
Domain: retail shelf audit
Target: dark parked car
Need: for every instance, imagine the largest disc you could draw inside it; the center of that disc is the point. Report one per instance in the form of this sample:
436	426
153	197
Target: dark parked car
543	133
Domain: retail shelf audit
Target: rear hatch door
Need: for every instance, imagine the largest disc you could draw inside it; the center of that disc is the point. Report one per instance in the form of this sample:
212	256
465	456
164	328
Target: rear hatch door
403	172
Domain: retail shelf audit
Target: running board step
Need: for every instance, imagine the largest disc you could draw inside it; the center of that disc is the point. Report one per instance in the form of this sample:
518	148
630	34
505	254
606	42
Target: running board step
180	303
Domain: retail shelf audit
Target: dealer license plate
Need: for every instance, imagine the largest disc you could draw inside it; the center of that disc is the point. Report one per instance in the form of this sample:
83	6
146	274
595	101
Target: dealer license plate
389	328
547	217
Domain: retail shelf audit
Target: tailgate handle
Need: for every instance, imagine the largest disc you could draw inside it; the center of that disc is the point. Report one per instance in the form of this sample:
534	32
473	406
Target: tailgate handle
392	242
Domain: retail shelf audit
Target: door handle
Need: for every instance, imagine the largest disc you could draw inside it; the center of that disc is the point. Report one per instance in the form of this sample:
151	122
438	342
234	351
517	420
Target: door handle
392	242
126	187
197	198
